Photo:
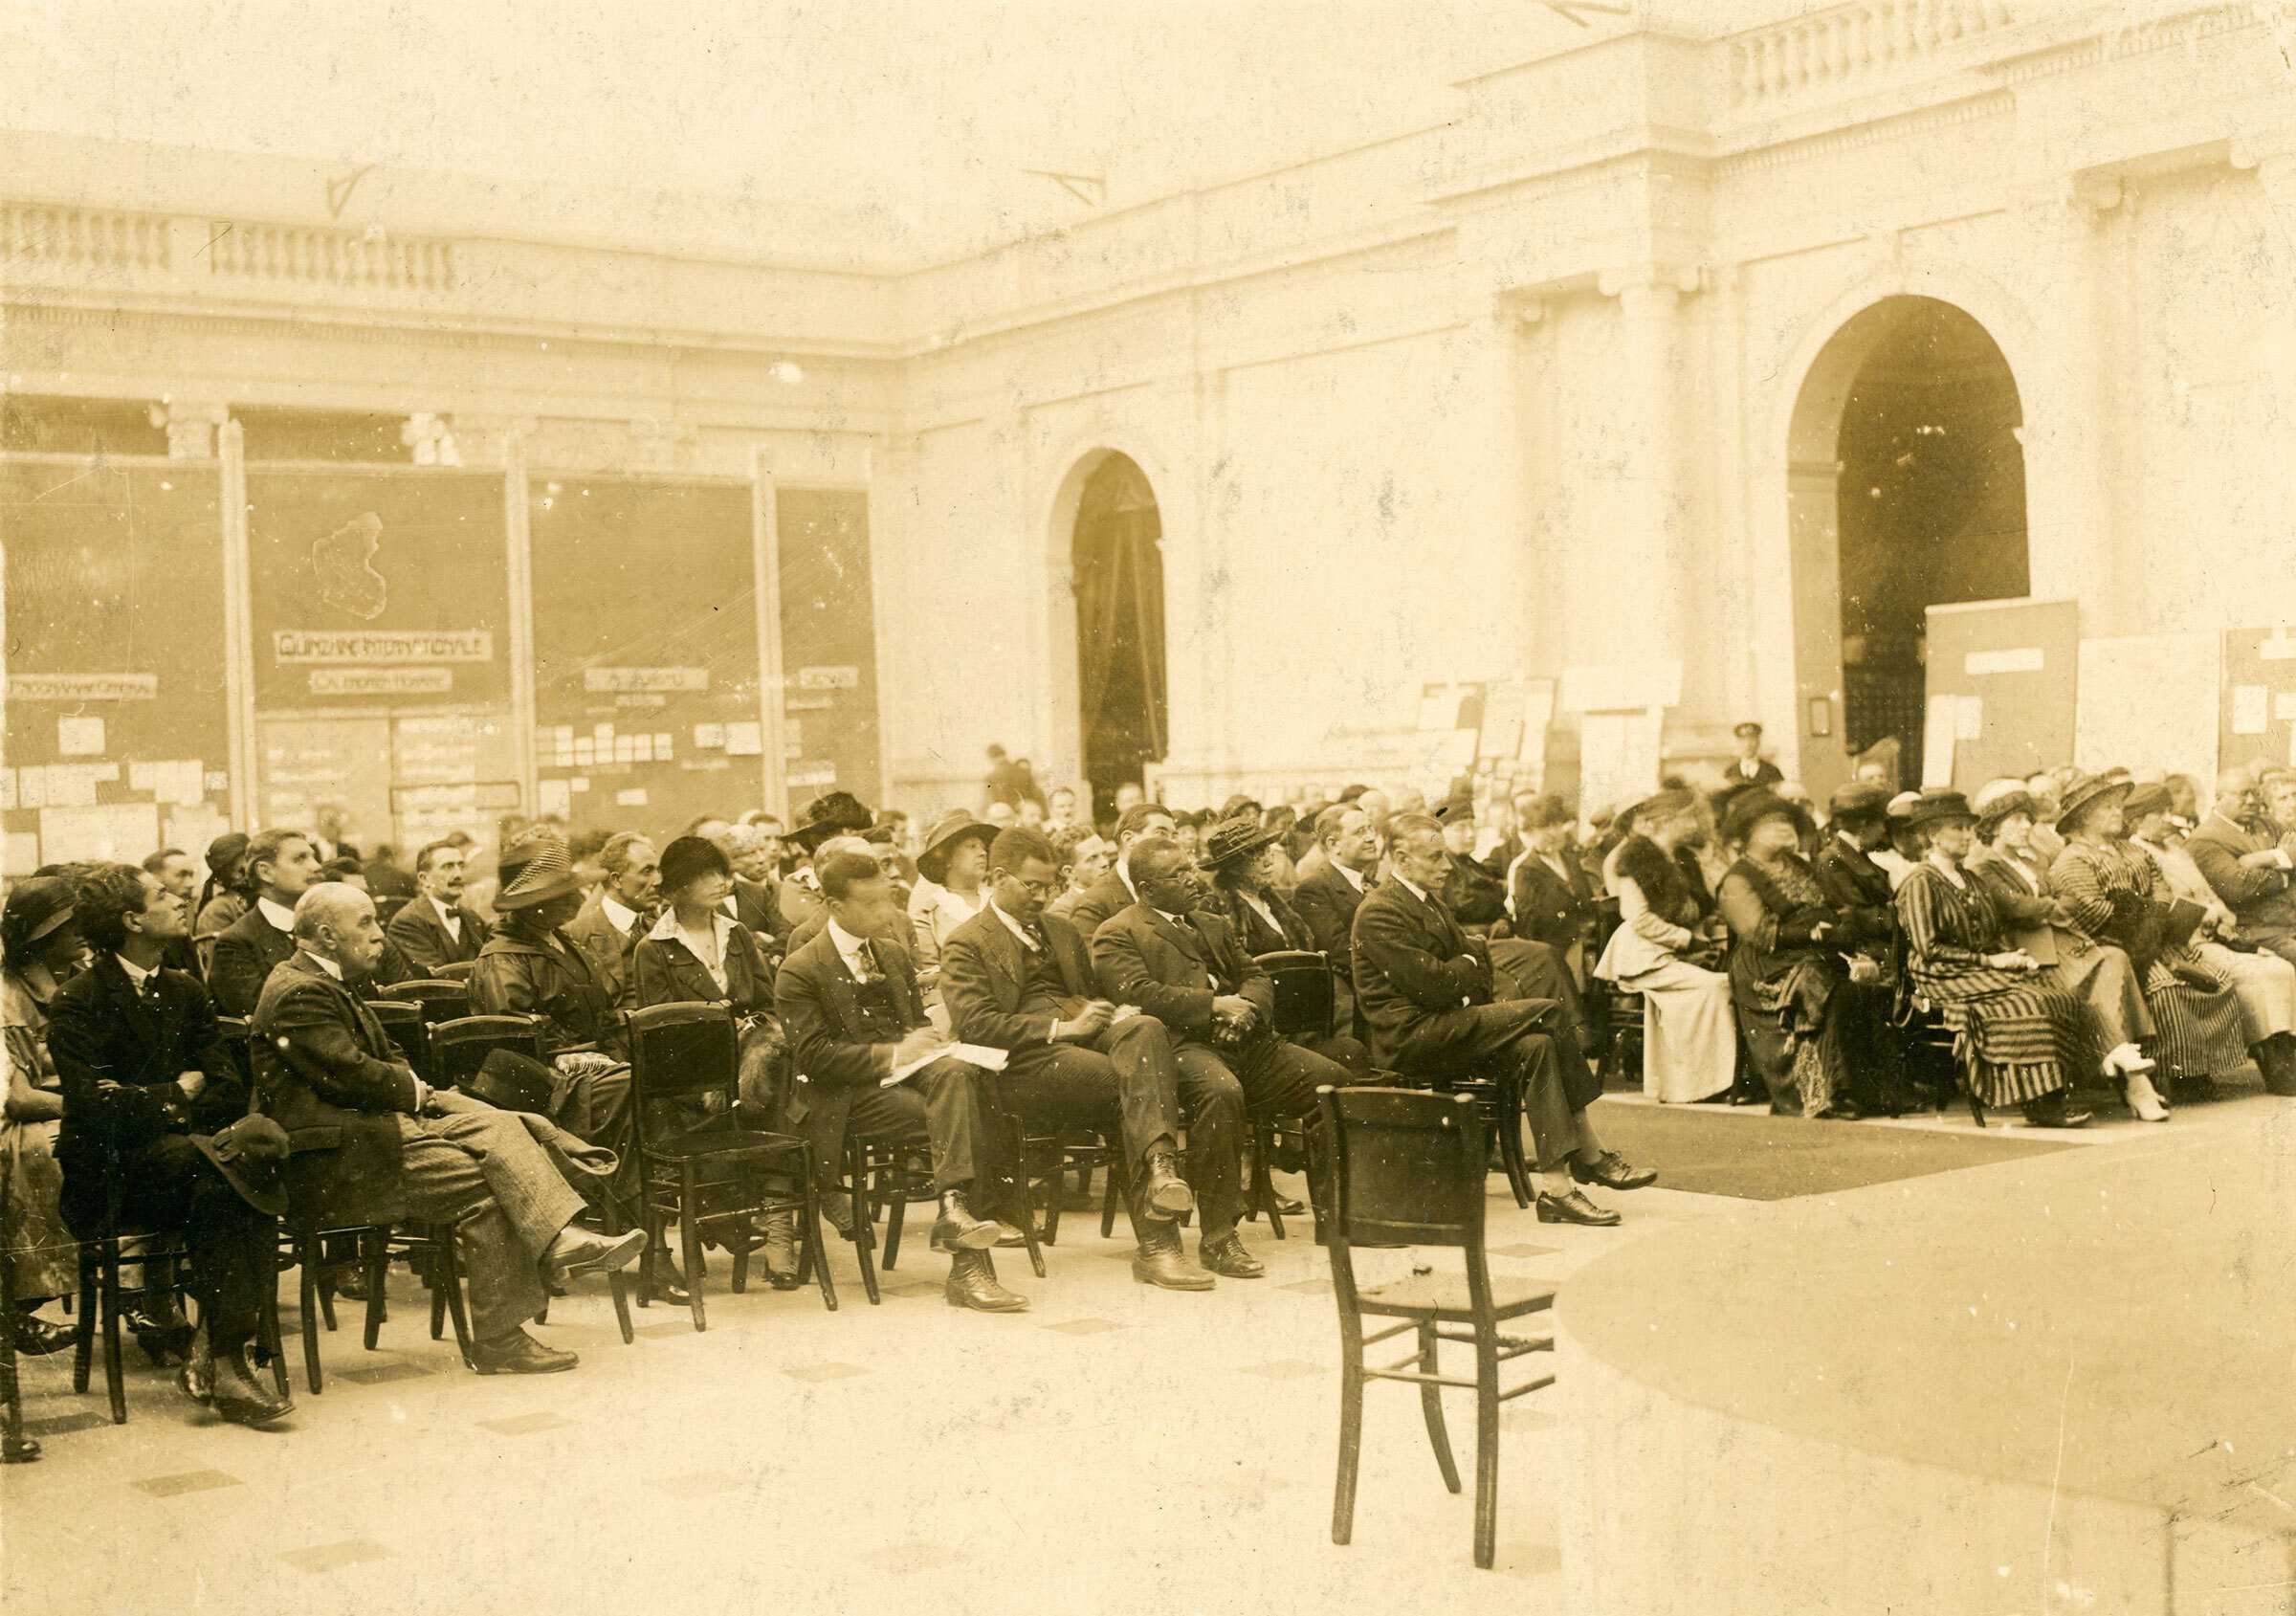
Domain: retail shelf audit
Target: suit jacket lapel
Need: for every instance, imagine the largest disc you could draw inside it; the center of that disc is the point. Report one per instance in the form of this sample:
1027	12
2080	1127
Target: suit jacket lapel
1005	954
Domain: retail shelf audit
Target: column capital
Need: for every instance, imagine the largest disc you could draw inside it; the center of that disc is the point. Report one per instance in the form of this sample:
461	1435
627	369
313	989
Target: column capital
432	440
486	439
2069	201
1657	281
190	427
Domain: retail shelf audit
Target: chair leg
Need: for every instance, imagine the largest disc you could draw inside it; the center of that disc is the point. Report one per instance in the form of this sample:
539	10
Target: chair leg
895	1214
115	1375
15	1447
376	1251
1512	1117
1351	1434
274	1341
440	1270
83	1325
1487	1443
450	1280
815	1256
688	1234
307	1255
1430	1404
619	1288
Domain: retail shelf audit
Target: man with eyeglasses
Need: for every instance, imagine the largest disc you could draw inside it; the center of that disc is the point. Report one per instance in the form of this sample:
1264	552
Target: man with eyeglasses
1017	978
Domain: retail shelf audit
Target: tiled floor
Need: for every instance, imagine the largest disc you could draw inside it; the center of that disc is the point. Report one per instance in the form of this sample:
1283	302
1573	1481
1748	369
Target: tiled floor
1118	1449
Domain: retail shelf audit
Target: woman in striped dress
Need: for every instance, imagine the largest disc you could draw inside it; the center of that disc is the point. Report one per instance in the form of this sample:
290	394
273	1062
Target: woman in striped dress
2024	1039
2114	895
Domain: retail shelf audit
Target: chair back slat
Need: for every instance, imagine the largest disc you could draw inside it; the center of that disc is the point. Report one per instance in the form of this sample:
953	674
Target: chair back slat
439	1000
682	1049
460	971
1409	1167
460	1047
1305	999
404	1022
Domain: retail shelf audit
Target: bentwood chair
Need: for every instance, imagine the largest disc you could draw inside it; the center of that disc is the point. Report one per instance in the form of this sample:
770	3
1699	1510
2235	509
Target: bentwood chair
15	1447
459	1046
438	999
1306	1002
1408	1168
702	1165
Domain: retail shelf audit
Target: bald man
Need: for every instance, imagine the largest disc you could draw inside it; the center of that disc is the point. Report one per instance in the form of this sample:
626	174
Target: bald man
2248	859
373	1143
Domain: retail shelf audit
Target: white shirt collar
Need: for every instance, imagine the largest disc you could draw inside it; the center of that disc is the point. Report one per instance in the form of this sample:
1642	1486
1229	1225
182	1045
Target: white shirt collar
280	916
1124	874
666	927
616	911
137	975
449	917
1353	878
1014	926
1260	906
1410	886
848	945
324	964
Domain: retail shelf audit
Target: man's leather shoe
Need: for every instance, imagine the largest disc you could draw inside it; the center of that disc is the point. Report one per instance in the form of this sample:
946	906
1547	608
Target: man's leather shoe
1574	1207
519	1354
669	1285
243	1399
38	1337
1612	1171
1227	1257
1160	1261
973	1283
1162	1190
578	1252
837	1206
776	1234
959	1229
2051	1111
1287	1207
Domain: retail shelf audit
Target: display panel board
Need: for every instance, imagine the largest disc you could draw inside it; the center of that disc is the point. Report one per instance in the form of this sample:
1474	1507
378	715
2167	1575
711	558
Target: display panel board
117	726
829	644
2001	679
646	651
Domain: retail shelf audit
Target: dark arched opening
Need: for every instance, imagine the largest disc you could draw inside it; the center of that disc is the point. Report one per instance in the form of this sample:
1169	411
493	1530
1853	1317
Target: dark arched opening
1120	627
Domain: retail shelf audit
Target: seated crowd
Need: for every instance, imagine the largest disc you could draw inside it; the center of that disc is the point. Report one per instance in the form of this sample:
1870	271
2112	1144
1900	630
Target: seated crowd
199	1069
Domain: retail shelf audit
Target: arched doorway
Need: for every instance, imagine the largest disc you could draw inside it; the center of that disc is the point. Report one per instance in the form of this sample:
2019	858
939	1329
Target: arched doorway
1907	491
1120	583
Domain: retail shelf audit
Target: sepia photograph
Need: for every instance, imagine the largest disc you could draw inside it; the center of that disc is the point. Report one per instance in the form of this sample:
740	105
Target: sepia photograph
1148	808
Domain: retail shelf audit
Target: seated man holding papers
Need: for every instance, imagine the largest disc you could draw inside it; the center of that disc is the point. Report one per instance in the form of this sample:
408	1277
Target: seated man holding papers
869	1060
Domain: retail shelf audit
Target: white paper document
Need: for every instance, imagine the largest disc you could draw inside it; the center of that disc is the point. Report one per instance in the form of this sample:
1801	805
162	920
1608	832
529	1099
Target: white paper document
979	1054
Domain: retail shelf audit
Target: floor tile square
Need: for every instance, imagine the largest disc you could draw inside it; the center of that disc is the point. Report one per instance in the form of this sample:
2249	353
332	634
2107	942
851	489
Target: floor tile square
331	1556
1308	1287
57	1424
1287	1369
1523	1250
823	1371
1084	1326
383	1374
187	1481
524	1424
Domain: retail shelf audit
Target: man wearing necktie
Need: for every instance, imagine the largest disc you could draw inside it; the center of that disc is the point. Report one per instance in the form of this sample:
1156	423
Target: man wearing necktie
1181	963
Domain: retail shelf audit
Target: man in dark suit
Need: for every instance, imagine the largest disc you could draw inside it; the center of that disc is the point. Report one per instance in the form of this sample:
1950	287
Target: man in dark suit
435	928
1016	979
1181	964
615	917
149	1089
756	900
1749	770
373	1143
1115	890
873	1063
282	865
1327	899
1426	988
2248	859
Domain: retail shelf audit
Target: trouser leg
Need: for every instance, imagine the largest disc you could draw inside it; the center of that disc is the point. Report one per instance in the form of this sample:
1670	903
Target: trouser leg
169	1188
1147	1085
482	1172
1214	1098
597	1108
1280	1080
897	1116
1554	1118
951	1090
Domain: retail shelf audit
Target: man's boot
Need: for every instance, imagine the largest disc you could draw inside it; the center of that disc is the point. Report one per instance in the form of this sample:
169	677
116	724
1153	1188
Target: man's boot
973	1283
1163	1192
2279	1074
959	1229
1160	1261
243	1398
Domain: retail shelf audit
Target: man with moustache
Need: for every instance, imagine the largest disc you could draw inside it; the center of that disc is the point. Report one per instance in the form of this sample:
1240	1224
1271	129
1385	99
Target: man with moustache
435	928
615	916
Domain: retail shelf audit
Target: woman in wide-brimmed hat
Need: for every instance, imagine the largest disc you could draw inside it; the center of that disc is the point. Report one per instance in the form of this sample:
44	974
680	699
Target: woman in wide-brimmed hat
2037	918
2024	1039
1817	1023
2115	895
39	947
952	871
1242	859
224	898
1690	1036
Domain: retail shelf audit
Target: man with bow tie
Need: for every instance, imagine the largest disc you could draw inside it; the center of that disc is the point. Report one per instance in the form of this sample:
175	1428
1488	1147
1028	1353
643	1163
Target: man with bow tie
1015	978
1181	963
873	1063
435	928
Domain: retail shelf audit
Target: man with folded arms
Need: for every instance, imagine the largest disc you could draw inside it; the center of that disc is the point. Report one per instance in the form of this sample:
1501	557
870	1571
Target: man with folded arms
435	928
2250	859
1017	978
854	1017
1182	964
153	1102
1425	986
373	1143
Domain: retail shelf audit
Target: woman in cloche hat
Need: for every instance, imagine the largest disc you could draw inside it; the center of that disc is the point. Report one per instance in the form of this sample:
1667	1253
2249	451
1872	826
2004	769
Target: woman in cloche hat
950	892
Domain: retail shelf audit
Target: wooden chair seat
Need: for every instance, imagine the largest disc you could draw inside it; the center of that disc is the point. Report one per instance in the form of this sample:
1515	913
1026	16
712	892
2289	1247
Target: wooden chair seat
1445	1296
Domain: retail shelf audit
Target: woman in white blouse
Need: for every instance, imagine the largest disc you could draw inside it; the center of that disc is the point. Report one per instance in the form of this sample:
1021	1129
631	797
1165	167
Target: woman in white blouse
1663	950
949	890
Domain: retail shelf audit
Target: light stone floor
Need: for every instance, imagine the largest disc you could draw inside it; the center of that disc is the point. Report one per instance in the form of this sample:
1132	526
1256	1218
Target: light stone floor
1115	1449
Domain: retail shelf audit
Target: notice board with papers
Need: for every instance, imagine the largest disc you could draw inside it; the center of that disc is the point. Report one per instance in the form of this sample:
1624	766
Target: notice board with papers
2256	707
2001	682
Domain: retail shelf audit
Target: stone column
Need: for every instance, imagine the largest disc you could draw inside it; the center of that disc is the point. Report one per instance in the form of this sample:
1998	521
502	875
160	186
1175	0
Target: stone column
1494	341
1644	458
